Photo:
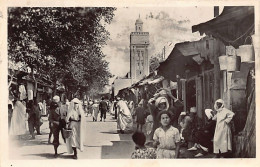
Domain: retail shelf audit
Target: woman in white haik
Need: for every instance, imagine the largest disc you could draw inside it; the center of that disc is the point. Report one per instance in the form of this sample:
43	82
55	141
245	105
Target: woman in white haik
95	107
222	137
124	119
76	122
18	124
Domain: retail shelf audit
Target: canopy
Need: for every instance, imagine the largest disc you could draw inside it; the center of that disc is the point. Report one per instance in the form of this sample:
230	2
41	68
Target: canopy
232	26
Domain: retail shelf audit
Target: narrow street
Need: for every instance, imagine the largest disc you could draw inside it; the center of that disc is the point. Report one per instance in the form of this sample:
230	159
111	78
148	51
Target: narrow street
102	142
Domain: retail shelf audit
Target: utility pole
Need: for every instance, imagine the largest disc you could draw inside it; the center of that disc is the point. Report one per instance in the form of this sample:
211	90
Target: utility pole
164	53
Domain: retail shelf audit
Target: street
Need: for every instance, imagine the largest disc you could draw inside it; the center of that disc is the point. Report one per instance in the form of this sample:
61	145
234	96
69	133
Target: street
184	74
102	142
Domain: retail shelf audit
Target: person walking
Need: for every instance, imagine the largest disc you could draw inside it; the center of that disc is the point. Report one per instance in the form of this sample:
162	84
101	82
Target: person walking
95	108
34	117
55	119
76	122
124	119
103	107
115	106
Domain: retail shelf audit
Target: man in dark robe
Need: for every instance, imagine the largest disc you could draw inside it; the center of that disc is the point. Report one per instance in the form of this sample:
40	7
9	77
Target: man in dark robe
103	107
34	117
56	122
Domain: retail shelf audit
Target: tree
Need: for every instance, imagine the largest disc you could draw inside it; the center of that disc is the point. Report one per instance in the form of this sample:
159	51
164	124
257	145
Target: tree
59	42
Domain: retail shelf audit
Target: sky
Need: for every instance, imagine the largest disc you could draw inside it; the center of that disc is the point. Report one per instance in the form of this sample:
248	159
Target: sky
166	26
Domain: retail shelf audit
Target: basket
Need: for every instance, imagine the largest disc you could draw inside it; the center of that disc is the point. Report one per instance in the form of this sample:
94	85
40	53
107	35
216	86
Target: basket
67	133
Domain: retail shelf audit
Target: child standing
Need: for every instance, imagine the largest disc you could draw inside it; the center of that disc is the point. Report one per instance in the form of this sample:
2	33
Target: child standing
140	115
166	138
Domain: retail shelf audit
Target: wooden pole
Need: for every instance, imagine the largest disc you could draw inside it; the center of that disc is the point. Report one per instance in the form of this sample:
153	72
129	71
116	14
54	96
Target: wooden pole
216	70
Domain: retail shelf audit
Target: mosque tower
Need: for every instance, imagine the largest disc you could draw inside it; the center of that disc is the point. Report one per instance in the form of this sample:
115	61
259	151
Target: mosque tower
139	59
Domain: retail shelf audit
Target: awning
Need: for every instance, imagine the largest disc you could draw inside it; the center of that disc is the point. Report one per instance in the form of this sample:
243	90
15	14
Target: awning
187	49
179	61
232	26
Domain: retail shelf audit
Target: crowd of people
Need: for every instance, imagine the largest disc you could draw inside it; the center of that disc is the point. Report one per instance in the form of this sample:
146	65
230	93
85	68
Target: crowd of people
160	125
170	128
25	114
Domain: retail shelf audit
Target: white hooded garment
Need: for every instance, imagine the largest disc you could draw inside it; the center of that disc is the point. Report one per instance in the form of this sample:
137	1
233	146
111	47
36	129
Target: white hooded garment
222	136
78	128
124	120
18	121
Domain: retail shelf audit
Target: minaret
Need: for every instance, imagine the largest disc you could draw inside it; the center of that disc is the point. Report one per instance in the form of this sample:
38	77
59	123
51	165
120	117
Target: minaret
139	60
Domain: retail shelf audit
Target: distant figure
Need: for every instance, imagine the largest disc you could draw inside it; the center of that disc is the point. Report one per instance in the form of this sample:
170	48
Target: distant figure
103	107
34	117
10	113
140	115
95	108
115	106
141	152
131	107
44	109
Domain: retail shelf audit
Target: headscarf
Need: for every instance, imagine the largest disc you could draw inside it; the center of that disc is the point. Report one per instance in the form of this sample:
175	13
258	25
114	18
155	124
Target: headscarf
183	113
160	100
123	108
56	99
208	113
193	110
76	100
221	107
141	103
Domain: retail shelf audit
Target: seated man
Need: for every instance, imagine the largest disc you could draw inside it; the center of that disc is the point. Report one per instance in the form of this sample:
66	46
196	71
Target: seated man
203	137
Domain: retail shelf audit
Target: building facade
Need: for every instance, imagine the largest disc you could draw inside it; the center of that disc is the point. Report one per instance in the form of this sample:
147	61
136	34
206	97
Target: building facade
139	59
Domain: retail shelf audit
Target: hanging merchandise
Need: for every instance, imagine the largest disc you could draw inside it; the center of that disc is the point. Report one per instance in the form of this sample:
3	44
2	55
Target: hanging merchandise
173	85
30	94
234	63
223	62
22	92
255	40
246	52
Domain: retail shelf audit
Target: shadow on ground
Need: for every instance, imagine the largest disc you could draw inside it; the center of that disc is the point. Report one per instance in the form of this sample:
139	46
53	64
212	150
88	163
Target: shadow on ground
119	150
51	155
